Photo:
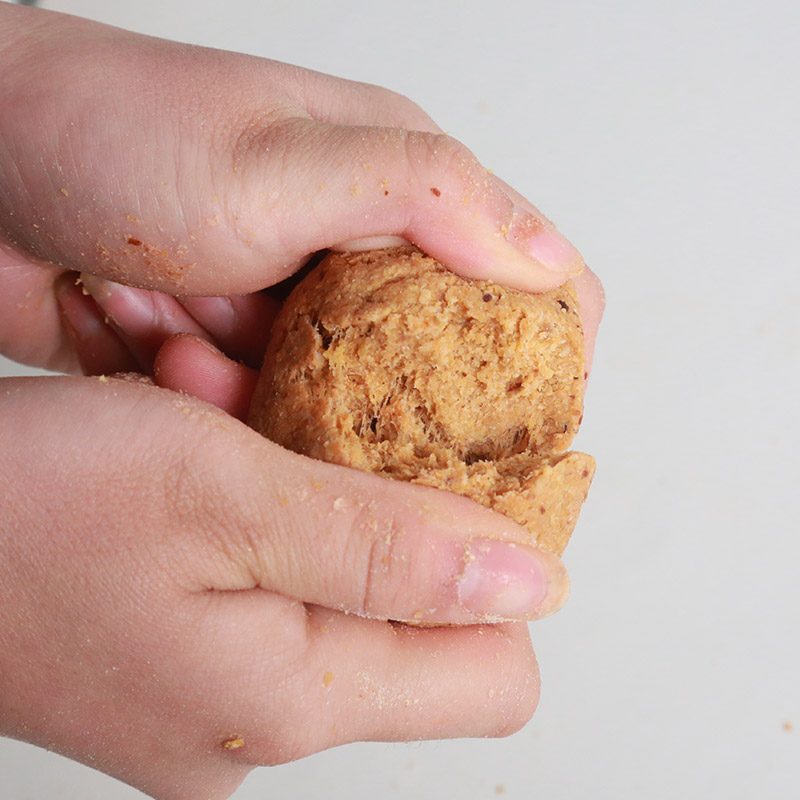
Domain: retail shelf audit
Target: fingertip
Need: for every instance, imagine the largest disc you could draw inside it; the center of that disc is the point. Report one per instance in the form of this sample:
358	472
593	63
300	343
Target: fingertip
510	581
463	216
186	363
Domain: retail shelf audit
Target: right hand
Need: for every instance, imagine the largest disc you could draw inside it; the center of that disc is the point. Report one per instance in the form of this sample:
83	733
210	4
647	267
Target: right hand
167	580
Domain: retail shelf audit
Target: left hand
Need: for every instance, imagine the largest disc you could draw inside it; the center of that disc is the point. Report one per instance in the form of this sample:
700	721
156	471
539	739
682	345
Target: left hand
196	173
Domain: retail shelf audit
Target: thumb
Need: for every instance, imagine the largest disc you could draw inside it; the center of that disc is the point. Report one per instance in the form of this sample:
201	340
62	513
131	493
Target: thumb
197	172
352	541
362	182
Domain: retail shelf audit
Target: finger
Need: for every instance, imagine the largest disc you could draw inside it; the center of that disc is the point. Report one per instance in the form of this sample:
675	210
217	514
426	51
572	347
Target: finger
240	325
518	198
194	366
355	183
363	544
31	321
400	683
222	196
366	680
341	102
98	348
142	319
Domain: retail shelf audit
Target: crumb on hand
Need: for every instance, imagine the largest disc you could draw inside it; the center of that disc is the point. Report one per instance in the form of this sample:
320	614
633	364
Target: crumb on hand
233	744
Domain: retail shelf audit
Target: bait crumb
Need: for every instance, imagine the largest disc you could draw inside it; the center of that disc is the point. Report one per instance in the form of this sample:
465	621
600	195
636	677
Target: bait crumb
233	744
327	679
372	365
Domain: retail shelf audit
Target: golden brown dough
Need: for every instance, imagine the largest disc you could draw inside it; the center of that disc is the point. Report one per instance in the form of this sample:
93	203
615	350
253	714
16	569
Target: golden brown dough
387	362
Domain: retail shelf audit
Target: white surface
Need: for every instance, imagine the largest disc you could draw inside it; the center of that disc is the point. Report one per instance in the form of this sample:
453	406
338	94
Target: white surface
662	137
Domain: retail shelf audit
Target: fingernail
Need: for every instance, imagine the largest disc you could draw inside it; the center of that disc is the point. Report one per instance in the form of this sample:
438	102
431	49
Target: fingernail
539	239
504	580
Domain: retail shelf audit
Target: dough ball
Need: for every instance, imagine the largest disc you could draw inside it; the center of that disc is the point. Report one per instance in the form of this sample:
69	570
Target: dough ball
387	362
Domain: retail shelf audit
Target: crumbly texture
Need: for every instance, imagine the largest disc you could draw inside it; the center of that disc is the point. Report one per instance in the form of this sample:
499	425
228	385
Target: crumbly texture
387	362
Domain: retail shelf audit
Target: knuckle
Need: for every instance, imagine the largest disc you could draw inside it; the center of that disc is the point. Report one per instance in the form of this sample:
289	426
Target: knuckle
443	159
390	565
238	137
404	112
258	162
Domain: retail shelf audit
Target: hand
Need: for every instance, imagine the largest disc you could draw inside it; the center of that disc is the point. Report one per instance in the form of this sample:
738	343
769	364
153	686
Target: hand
165	586
167	580
197	172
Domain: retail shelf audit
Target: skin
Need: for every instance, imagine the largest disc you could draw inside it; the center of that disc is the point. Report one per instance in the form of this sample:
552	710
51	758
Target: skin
180	599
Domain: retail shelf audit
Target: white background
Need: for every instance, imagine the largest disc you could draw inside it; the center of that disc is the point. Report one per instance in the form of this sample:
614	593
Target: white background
663	139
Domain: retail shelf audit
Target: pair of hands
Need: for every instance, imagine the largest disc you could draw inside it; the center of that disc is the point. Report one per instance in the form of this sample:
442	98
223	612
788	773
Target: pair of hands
180	599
